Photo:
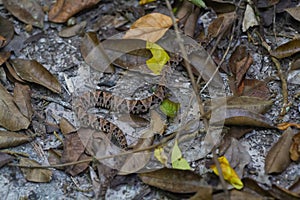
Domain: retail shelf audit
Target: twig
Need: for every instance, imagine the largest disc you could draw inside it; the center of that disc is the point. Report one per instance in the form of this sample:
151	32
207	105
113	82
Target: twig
187	64
283	86
217	163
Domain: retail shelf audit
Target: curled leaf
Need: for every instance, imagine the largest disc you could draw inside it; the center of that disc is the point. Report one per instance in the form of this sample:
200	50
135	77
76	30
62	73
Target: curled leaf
285	125
228	173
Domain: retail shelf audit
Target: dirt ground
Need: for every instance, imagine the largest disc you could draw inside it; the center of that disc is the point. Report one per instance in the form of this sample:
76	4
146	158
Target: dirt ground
62	57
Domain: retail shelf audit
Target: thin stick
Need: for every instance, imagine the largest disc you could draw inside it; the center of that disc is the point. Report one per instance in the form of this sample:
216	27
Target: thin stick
187	64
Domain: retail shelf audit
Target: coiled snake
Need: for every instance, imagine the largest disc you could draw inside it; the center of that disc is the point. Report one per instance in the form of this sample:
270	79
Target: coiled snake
104	99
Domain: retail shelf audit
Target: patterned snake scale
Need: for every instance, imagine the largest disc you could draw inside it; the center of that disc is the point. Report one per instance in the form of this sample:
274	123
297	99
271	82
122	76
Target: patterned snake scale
104	99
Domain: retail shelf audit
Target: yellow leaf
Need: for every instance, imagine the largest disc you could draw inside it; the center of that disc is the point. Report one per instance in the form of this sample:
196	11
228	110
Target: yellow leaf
143	2
228	173
160	155
178	162
159	59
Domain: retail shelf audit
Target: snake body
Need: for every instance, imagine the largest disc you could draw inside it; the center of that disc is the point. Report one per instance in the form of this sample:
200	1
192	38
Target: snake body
104	99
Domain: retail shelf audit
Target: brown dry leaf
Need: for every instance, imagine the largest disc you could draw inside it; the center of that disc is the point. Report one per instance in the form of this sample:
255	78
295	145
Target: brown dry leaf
256	88
4	56
33	71
73	30
10	116
295	148
150	27
74	151
278	158
239	64
173	180
62	10
242	117
295	65
285	125
238	195
28	11
7	31
35	175
137	161
11	139
22	97
295	187
254	186
294	12
253	104
5	158
65	126
94	54
287	49
221	24
220	6
204	193
282	193
11	74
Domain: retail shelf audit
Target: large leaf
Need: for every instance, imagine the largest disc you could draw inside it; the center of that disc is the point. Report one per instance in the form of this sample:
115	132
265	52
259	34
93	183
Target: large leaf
11	139
150	27
28	11
173	180
33	71
35	175
287	49
278	158
10	116
62	10
7	31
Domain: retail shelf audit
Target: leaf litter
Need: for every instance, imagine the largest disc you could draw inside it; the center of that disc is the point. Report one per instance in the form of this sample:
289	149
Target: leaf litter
248	112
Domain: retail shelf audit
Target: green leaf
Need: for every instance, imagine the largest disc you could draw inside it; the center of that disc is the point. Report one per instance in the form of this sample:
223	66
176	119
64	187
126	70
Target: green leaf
199	3
159	59
169	108
178	162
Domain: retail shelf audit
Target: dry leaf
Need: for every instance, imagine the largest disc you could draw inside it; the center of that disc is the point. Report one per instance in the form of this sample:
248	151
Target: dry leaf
22	97
150	27
33	71
278	158
249	18
137	161
10	116
5	158
221	24
35	175
6	32
239	63
4	56
94	53
238	195
74	151
73	30
11	74
295	148
294	12
221	6
242	117
256	88
62	10
11	139
286	49
28	11
173	180
65	126
253	104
